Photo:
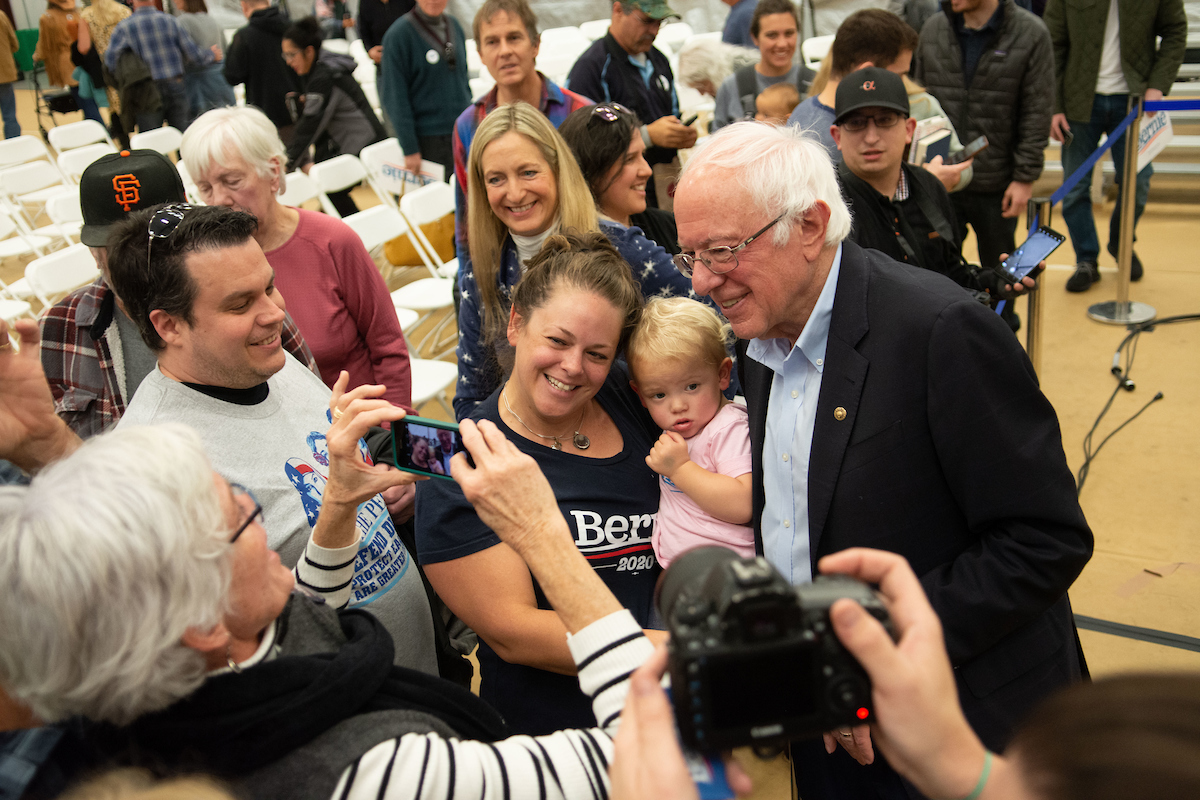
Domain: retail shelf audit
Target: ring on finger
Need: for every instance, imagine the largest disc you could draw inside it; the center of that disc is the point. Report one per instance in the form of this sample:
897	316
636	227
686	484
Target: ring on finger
338	413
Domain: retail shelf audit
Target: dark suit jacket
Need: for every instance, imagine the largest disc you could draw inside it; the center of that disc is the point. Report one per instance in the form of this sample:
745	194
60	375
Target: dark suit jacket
950	455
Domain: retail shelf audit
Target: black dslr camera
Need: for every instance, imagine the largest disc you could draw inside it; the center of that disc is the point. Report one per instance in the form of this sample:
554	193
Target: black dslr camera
754	660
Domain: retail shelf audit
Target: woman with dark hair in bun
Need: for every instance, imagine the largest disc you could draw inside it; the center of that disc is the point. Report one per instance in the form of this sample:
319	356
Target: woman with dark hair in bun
566	405
332	114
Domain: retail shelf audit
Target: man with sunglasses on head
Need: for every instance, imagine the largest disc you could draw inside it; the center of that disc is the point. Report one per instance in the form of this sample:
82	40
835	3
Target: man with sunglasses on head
887	409
203	297
897	208
92	353
625	66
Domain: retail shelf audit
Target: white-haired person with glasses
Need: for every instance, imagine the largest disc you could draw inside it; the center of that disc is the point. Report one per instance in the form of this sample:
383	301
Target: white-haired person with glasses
887	409
523	186
151	609
203	296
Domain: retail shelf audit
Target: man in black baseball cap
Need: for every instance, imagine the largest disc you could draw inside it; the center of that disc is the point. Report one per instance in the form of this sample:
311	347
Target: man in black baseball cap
92	353
898	208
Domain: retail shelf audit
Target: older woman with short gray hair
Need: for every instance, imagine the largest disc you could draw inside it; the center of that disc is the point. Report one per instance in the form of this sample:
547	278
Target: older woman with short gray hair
333	289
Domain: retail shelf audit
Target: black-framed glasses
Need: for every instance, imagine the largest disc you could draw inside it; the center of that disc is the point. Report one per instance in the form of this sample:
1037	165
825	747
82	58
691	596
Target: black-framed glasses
163	223
257	514
610	112
719	260
859	122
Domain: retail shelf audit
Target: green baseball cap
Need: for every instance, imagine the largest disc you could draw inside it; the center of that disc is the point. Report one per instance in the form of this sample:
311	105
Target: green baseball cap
654	9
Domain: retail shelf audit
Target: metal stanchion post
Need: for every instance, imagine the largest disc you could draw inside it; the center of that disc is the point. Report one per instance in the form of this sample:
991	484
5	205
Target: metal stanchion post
1038	213
1124	311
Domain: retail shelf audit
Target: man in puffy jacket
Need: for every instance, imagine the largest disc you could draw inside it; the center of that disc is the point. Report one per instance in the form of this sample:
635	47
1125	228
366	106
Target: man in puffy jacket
990	65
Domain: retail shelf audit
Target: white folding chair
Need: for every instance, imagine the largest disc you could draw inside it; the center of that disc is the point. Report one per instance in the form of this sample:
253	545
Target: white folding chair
53	276
21	150
568	39
66	217
358	51
164	140
299	189
13	310
29	186
366	73
16	241
481	85
815	48
422	206
594	29
428	296
376	226
430	380
340	173
371	92
339	46
474	62
672	36
189	185
72	163
77	134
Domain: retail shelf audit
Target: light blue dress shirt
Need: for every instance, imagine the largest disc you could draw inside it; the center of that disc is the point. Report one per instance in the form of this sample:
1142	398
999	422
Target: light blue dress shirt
791	416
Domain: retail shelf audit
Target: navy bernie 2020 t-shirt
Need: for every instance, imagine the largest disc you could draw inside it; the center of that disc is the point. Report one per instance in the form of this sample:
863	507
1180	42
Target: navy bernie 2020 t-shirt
610	505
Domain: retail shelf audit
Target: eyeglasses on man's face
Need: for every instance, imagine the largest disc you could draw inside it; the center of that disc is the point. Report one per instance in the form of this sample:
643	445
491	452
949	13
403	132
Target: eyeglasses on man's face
719	260
256	513
859	122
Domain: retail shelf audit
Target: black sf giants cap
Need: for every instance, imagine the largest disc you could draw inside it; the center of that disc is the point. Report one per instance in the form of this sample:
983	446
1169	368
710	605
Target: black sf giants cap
118	184
870	87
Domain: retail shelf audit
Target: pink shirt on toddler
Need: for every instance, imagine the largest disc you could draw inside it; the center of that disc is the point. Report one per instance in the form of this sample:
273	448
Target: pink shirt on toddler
722	447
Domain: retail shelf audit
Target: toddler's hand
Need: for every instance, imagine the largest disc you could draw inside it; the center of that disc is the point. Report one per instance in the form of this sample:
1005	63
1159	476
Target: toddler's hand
669	453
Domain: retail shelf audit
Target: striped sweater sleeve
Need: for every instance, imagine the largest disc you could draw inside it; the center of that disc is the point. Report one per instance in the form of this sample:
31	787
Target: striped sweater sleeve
567	764
327	572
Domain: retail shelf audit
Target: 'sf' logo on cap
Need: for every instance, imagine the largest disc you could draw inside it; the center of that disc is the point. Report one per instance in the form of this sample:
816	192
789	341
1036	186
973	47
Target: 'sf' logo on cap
126	186
868	86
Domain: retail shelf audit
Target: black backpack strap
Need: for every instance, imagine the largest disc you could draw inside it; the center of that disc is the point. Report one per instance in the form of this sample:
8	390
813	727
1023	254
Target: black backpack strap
747	88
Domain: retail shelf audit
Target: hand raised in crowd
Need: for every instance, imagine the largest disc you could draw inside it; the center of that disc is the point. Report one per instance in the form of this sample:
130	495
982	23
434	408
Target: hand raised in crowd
671	132
919	724
948	174
31	434
506	487
351	479
647	762
669	453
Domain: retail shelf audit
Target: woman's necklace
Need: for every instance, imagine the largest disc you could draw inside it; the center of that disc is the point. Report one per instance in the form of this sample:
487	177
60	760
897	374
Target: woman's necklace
580	441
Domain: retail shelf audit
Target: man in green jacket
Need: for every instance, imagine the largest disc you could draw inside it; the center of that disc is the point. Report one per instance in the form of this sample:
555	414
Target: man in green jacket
1104	51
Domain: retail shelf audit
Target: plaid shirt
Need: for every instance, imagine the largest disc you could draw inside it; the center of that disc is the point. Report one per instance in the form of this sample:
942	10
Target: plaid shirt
158	40
83	359
556	104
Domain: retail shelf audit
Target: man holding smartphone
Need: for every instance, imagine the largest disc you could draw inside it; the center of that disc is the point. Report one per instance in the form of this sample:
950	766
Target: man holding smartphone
901	210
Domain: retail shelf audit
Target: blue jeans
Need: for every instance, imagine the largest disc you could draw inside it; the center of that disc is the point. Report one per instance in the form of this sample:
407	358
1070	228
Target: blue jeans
175	108
1107	112
207	89
87	105
8	110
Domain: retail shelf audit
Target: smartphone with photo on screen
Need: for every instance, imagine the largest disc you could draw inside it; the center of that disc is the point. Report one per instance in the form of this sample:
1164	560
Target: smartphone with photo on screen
425	446
1032	251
